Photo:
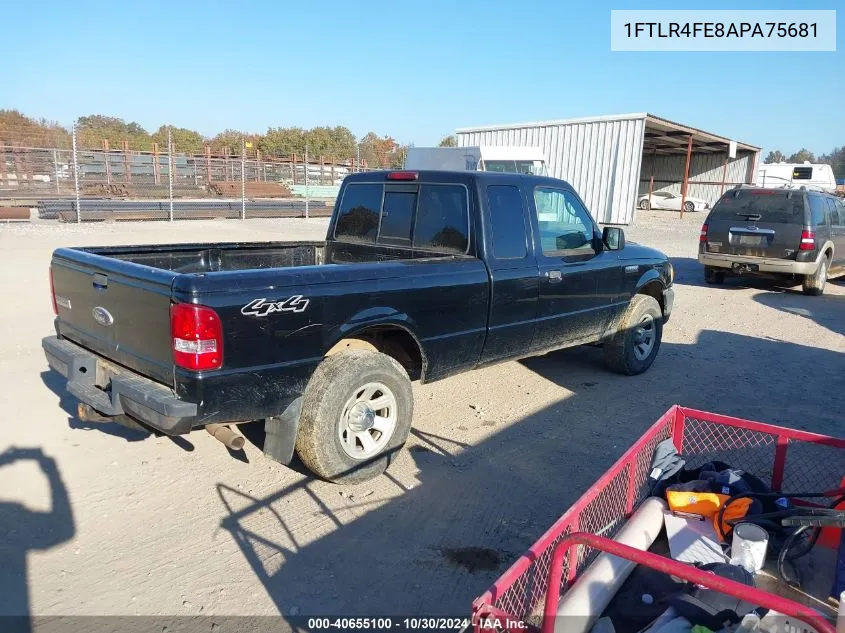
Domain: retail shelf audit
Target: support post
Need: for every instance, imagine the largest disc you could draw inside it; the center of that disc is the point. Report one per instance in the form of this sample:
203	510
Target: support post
243	178
170	170
76	177
686	176
306	181
724	175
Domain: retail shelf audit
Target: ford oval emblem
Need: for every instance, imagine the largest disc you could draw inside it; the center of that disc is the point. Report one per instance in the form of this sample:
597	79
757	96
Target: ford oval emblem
102	316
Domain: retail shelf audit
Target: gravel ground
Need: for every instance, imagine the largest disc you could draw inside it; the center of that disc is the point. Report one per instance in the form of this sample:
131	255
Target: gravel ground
150	525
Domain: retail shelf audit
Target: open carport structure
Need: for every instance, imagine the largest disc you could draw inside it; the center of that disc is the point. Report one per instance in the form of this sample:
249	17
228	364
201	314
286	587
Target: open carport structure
612	160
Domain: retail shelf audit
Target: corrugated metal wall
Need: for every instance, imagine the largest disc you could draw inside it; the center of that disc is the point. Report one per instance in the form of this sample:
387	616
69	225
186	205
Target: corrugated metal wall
668	172
601	159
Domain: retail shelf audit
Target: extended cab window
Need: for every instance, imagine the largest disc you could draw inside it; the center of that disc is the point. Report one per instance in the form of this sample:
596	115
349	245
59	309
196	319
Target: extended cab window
442	219
359	212
566	228
507	222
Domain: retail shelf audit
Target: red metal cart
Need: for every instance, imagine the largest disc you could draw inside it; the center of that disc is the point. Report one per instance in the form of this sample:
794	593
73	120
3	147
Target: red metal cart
527	594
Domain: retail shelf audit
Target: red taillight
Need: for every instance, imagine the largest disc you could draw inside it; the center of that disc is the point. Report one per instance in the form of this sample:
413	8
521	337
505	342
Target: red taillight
808	241
53	294
402	175
703	236
197	337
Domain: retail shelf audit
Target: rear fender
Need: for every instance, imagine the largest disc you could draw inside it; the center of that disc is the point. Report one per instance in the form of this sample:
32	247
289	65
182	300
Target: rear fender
378	317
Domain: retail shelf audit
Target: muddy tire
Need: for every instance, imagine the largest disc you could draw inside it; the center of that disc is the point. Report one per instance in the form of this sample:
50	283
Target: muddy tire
356	415
814	284
634	347
713	276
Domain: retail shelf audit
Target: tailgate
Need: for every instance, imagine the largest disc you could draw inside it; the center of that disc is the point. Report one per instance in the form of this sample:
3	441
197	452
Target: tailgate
118	309
757	223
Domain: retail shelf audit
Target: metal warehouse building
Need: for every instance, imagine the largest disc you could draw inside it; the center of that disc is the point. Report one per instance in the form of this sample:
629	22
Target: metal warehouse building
612	160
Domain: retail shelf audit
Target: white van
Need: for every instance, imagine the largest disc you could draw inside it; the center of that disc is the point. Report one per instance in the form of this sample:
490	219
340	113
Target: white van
511	159
774	175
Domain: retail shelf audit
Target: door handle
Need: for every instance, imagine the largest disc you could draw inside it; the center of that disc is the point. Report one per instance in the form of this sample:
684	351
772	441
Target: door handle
554	275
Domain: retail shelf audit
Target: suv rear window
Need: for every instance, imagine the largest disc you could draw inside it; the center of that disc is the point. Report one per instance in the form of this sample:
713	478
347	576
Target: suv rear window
764	205
426	216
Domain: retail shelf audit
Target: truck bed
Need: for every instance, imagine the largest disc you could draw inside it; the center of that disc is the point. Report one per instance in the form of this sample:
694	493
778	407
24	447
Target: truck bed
234	256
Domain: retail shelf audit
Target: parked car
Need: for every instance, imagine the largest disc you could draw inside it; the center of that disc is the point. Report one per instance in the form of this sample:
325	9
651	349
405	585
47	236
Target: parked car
422	275
671	201
790	233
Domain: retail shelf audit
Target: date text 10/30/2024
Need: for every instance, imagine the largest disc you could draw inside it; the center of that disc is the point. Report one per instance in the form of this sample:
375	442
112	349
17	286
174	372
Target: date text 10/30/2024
413	624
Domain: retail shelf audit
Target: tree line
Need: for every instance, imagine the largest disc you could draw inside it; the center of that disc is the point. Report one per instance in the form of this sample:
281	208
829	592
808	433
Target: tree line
338	142
836	159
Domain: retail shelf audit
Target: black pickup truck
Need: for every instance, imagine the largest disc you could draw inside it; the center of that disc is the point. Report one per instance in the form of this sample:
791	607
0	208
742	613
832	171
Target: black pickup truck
422	275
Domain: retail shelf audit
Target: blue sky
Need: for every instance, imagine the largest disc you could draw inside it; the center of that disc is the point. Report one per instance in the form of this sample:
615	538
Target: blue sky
413	70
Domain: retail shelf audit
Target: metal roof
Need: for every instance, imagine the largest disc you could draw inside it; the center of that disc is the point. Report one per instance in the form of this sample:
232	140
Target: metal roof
662	136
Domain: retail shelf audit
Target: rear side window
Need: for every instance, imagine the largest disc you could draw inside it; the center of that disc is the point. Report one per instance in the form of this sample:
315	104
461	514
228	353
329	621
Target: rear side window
835	218
818	212
442	219
818	209
508	222
359	212
763	205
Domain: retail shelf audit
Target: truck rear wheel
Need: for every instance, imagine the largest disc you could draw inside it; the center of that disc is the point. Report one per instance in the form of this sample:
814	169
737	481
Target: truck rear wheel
356	415
634	347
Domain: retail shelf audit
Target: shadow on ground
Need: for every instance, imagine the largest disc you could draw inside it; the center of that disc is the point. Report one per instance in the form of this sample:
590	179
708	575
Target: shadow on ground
24	531
434	548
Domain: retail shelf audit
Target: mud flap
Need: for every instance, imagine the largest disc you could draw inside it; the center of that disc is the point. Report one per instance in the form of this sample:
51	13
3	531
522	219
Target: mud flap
281	431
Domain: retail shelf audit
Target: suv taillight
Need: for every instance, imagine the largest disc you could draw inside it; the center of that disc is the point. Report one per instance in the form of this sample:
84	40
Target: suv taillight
703	236
53	294
197	337
808	241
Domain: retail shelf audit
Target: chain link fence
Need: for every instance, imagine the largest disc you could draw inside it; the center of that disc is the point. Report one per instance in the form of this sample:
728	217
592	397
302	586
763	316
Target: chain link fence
79	184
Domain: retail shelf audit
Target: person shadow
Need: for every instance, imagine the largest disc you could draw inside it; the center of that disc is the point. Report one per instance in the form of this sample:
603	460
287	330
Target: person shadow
25	530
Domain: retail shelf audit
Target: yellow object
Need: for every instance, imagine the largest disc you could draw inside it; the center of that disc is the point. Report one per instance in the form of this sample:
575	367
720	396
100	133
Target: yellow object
704	504
248	144
707	505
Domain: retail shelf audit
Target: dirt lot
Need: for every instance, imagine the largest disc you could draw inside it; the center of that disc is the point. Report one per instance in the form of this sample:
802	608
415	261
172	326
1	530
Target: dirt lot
149	525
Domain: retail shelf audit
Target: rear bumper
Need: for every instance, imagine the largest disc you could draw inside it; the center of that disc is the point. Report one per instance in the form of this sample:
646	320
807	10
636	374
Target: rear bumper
118	391
765	265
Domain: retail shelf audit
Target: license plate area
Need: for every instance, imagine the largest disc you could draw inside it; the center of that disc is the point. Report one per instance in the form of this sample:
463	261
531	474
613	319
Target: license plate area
751	240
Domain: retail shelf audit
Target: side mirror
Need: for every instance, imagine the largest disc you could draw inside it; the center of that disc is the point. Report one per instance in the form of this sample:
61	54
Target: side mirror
613	237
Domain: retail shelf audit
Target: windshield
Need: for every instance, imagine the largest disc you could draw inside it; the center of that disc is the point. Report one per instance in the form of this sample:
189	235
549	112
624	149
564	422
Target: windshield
530	167
767	205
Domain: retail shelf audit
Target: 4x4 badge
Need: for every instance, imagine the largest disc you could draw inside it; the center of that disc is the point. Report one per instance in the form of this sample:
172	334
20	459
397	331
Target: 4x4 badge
262	307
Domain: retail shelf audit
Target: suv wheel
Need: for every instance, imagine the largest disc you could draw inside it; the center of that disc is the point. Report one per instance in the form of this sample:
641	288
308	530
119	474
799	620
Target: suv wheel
634	347
713	276
814	284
